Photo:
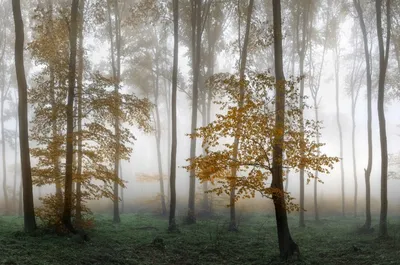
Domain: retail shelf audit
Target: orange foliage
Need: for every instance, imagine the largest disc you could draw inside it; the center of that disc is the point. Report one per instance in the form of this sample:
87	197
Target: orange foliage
256	136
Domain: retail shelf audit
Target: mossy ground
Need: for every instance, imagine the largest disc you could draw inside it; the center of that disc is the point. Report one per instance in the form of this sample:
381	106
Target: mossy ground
332	241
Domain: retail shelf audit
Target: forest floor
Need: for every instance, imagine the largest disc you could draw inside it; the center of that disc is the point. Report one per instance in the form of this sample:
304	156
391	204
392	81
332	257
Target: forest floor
143	239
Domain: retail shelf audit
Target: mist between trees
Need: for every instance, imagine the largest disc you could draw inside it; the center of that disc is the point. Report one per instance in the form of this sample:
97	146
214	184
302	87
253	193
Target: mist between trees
190	110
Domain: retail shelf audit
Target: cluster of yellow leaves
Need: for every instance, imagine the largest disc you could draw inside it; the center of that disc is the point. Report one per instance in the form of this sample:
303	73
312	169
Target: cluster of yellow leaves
149	178
256	136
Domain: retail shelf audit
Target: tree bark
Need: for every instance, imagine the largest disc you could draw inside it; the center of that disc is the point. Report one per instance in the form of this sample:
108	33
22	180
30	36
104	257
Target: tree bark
172	179
158	140
70	118
367	171
116	77
29	212
287	247
301	50
122	189
3	144
15	165
196	42
383	62
342	175
243	60
78	210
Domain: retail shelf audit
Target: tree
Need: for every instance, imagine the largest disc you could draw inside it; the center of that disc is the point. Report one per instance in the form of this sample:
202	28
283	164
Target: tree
336	55
196	42
383	62
367	171
315	80
172	179
257	134
70	118
303	11
78	210
287	247
354	85
116	70
243	60
4	95
29	212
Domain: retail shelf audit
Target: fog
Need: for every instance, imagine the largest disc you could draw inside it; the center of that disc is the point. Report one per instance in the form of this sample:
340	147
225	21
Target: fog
143	157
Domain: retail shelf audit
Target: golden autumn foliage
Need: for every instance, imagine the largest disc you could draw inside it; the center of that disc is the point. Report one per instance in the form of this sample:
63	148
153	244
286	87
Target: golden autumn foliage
50	213
100	106
256	136
149	178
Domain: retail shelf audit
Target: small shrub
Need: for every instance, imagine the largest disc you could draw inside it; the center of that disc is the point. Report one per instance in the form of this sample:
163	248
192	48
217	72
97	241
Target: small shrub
51	211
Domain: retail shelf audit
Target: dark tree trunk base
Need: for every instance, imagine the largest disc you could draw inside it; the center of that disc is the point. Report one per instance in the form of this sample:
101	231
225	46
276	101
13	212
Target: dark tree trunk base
191	218
291	250
233	227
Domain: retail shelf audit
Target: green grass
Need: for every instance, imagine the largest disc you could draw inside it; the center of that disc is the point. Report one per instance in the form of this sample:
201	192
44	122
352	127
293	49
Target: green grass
330	242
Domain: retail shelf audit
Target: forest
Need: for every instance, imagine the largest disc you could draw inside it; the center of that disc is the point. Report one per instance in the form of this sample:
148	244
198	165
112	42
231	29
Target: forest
199	132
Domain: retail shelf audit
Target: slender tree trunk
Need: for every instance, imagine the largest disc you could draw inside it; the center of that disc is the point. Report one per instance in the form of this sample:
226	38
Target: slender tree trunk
316	173
204	123
15	165
116	75
78	214
20	200
172	179
337	69
3	146
70	118
196	39
243	60
169	141
383	62
287	247
314	93
158	142
302	50
122	189
29	212
353	147
367	172
54	115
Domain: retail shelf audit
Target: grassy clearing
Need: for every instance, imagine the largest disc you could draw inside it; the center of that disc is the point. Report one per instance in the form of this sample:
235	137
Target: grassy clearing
143	239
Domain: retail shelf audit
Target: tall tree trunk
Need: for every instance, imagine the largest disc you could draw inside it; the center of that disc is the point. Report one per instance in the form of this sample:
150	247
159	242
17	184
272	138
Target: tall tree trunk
243	60
54	115
383	62
314	87
15	165
367	172
337	68
20	200
172	179
3	144
70	118
301	50
287	247
158	141
78	213
353	147
169	140
196	42
122	189
116	76
29	212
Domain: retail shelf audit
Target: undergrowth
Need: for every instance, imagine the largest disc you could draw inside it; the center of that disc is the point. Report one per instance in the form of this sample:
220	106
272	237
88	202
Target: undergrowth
144	239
